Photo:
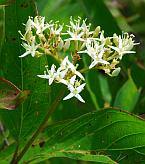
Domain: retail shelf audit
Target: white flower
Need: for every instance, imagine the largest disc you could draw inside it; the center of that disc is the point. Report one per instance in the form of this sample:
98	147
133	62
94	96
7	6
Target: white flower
39	24
75	36
102	39
29	25
98	59
86	29
96	52
30	49
49	74
75	88
78	30
60	74
67	65
125	44
75	26
55	29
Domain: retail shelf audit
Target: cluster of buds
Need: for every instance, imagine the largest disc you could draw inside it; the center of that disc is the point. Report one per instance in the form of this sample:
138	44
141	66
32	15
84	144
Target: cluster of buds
42	38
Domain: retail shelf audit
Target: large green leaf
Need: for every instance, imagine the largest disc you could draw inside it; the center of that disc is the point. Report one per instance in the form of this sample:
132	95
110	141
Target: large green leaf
115	133
23	73
92	137
127	96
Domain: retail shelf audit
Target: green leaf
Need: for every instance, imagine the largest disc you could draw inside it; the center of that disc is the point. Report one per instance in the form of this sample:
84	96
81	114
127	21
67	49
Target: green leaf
23	73
109	132
78	155
100	15
6	2
104	86
7	154
10	96
127	96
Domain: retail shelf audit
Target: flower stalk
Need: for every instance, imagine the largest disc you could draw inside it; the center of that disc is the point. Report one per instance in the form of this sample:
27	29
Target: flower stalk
41	127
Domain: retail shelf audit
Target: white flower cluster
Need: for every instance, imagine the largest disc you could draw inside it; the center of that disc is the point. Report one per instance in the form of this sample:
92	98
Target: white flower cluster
66	74
42	38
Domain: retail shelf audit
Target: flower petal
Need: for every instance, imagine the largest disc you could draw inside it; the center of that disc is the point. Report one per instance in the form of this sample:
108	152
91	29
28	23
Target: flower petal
93	64
79	75
79	98
68	96
51	80
25	54
43	76
81	87
72	80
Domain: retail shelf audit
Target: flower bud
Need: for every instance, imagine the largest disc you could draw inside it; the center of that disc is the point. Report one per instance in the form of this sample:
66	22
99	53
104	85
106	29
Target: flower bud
116	71
60	44
66	45
115	39
97	31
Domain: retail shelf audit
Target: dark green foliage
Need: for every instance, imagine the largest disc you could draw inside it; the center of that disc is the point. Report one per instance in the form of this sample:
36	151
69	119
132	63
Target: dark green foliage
106	136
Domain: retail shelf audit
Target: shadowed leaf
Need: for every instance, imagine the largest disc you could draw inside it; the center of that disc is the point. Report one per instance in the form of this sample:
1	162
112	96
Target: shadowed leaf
127	96
10	96
6	2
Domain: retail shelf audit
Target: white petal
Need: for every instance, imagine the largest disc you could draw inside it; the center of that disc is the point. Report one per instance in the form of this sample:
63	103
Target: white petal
120	43
100	55
114	48
68	96
71	34
25	54
76	38
79	98
73	25
43	76
64	61
79	35
26	46
33	53
63	73
81	87
72	80
65	82
70	65
103	61
79	74
93	64
71	87
80	52
128	52
51	81
53	68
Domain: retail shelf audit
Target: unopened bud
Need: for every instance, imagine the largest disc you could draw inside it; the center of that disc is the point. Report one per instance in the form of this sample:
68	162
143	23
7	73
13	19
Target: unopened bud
115	39
38	54
60	44
116	71
66	45
97	31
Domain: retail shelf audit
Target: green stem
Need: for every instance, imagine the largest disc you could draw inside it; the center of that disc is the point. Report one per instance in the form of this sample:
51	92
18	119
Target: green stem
88	85
40	129
84	70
